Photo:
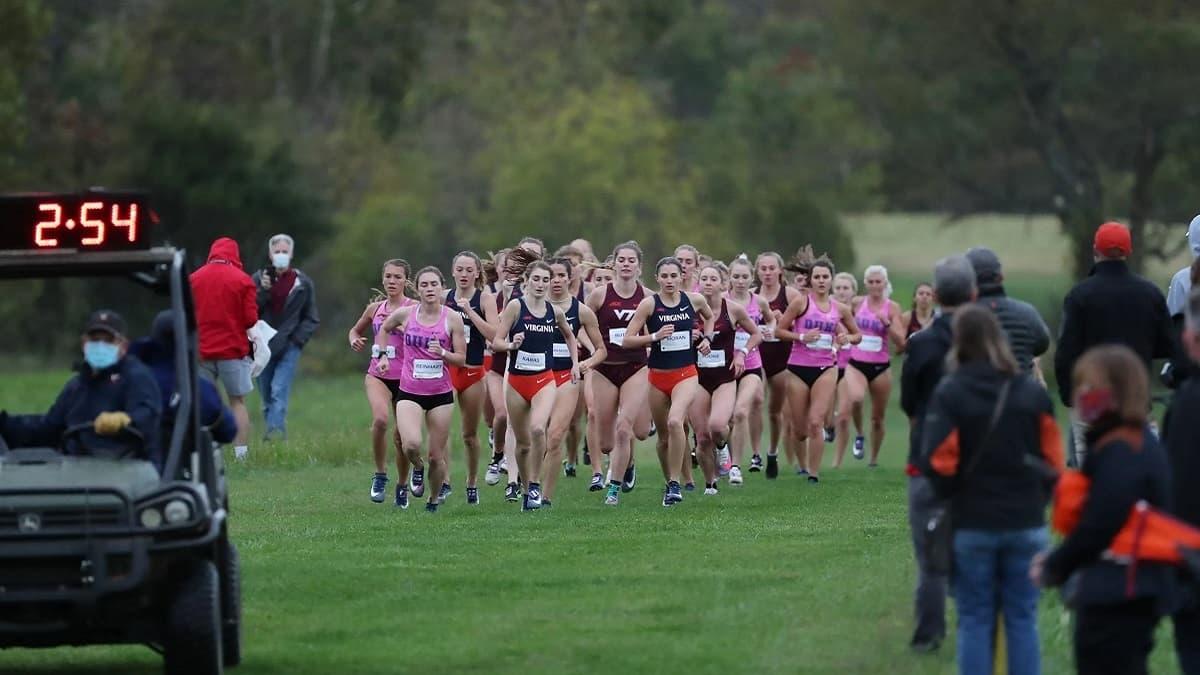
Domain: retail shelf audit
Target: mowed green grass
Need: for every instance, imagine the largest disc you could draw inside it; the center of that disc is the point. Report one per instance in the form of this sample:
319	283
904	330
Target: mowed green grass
774	577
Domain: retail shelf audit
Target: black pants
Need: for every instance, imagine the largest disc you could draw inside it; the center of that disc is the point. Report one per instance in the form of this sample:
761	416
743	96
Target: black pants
929	598
1187	640
1115	639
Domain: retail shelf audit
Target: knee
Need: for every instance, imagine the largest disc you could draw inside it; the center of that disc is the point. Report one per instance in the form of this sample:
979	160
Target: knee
470	436
537	434
675	425
379	424
717	430
877	422
740	415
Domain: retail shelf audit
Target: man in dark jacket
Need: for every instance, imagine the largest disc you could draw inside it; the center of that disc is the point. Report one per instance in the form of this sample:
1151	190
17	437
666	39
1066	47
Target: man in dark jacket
1111	306
287	300
1027	333
112	392
226	307
924	364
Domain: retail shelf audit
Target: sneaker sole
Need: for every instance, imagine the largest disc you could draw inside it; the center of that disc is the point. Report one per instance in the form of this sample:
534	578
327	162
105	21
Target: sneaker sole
378	499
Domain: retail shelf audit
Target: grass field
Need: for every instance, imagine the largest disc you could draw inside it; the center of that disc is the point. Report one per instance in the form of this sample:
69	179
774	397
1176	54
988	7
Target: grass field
777	577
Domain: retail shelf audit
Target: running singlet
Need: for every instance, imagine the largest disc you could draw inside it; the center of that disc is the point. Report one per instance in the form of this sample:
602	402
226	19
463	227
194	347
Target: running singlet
741	338
422	372
914	324
675	350
536	353
395	341
773	346
613	317
475	340
874	345
721	352
818	354
562	355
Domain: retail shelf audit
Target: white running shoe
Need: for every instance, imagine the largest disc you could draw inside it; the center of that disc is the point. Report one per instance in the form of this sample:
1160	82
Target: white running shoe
724	461
735	475
492	476
710	489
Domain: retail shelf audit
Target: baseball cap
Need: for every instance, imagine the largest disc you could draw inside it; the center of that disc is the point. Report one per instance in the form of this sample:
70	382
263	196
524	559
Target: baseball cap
107	321
1113	237
986	263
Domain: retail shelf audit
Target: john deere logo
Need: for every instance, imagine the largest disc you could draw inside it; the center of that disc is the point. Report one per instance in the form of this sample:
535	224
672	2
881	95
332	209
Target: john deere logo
29	522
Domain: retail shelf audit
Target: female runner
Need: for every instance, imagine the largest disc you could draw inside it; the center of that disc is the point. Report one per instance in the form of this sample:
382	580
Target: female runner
477	308
811	324
620	384
493	405
598	277
769	268
845	287
425	388
748	408
566	400
382	392
669	316
527	328
921	314
689	258
720	371
879	320
579	288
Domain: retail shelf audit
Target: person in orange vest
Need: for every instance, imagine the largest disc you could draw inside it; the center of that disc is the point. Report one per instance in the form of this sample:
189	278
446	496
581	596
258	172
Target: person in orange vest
1118	595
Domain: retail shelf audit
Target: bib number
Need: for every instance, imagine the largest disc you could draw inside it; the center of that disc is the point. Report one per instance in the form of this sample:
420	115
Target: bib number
767	333
871	343
561	351
530	361
714	359
427	369
676	342
823	343
616	336
740	340
467	330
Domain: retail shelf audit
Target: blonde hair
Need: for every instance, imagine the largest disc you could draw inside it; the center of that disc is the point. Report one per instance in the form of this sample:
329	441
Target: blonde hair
880	269
846	276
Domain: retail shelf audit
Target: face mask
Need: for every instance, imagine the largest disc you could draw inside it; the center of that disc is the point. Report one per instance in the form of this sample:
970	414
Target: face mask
281	260
1093	404
100	355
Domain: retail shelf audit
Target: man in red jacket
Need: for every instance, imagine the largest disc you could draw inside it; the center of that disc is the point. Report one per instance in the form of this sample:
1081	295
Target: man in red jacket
225	310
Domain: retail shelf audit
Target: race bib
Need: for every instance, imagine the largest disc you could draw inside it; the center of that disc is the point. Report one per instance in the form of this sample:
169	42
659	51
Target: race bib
561	351
767	333
740	340
823	343
615	336
427	369
714	359
676	342
390	351
530	361
467	331
871	343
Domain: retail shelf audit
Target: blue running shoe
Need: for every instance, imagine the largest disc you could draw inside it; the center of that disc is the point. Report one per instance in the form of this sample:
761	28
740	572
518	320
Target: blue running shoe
533	498
379	488
418	482
473	496
630	479
512	493
446	491
431	507
690	487
673	496
597	483
756	464
859	442
402	496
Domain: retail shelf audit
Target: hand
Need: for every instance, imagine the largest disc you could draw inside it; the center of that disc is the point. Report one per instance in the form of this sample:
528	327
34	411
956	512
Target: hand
778	314
1036	568
357	343
811	336
576	372
264	280
843	339
110	423
739	364
516	341
768	333
435	348
664	332
585	367
704	347
382	364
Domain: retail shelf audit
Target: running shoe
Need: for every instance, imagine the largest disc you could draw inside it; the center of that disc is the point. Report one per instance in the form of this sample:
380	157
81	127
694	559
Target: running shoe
587	455
503	466
379	488
710	489
829	434
630	479
735	475
614	495
690	487
756	464
446	491
431	507
695	460
772	466
724	460
402	496
418	482
533	498
801	471
674	496
546	503
858	447
813	480
473	496
493	474
512	493
597	483
569	470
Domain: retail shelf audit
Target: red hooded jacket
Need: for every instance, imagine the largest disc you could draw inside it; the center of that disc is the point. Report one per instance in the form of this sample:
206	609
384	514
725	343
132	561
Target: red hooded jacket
225	304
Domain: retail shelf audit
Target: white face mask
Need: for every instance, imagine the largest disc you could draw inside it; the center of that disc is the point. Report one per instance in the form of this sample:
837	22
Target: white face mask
281	260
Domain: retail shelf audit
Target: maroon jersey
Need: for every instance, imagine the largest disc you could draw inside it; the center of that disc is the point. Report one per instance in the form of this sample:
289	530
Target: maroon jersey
613	317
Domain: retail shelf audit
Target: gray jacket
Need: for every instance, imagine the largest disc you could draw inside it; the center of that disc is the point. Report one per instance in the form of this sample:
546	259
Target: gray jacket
299	318
1181	283
1027	333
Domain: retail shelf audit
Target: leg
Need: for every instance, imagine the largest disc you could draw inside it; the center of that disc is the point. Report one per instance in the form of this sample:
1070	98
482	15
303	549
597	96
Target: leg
748	390
380	399
851	390
540	410
1115	639
681	399
566	399
237	404
409	418
470	402
631	400
660	408
720	415
1019	599
798	395
264	391
518	423
495	386
437	421
573	430
778	387
976	554
929	600
881	390
602	423
820	398
698	416
756	418
281	389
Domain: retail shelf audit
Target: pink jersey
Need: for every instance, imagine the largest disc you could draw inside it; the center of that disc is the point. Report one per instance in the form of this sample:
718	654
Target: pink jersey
741	337
818	354
844	356
874	345
395	339
422	372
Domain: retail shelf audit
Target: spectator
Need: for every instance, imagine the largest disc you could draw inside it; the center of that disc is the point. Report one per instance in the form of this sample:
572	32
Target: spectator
986	422
1111	306
158	353
225	310
112	392
1181	434
1181	283
1024	328
953	287
1117	604
287	301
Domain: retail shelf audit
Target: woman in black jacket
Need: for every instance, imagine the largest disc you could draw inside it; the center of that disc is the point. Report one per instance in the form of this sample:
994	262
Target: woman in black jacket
987	430
1117	603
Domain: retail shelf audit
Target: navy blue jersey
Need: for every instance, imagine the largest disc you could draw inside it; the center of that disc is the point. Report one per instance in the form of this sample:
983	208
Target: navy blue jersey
536	353
676	350
475	340
562	355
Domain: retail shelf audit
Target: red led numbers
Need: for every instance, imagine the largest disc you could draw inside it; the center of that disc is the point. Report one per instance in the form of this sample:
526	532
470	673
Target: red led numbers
130	223
94	224
86	224
41	233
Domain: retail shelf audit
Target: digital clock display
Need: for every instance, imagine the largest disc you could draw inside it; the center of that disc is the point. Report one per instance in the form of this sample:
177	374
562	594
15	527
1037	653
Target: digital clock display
89	221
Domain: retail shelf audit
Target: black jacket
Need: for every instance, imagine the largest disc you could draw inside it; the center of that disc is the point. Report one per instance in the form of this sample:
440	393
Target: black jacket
1004	488
924	364
299	319
1112	306
1124	465
1027	333
1181	435
127	387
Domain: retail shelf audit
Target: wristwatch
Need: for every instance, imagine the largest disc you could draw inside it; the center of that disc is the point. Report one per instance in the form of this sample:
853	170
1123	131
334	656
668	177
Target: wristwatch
744	351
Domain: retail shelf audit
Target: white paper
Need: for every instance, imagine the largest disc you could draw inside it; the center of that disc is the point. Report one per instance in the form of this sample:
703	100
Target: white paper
714	359
561	351
871	343
676	342
615	336
427	369
824	342
530	361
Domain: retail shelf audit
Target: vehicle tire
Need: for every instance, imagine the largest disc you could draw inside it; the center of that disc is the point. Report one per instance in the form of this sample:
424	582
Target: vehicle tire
231	604
193	631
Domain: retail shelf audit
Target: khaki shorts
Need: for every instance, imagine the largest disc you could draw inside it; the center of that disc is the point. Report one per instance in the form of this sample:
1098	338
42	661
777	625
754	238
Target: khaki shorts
233	374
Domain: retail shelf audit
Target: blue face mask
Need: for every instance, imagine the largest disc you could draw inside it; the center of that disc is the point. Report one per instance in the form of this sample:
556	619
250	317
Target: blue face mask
100	355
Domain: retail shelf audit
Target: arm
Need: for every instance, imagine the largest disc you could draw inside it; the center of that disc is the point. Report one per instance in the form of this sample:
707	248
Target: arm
262	293
564	327
309	320
41	430
501	343
143	404
635	338
910	374
896	326
941	453
395	320
249	305
853	334
357	341
591	328
486	324
1039	331
783	325
458	341
741	319
1070	345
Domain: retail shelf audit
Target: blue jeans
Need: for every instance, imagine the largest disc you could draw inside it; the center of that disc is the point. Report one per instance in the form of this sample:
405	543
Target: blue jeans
275	385
991	574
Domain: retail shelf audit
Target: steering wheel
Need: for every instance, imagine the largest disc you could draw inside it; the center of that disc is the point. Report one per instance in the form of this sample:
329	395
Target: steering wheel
127	431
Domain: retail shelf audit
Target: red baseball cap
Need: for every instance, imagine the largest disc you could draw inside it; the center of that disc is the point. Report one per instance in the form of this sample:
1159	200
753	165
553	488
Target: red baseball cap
1112	238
